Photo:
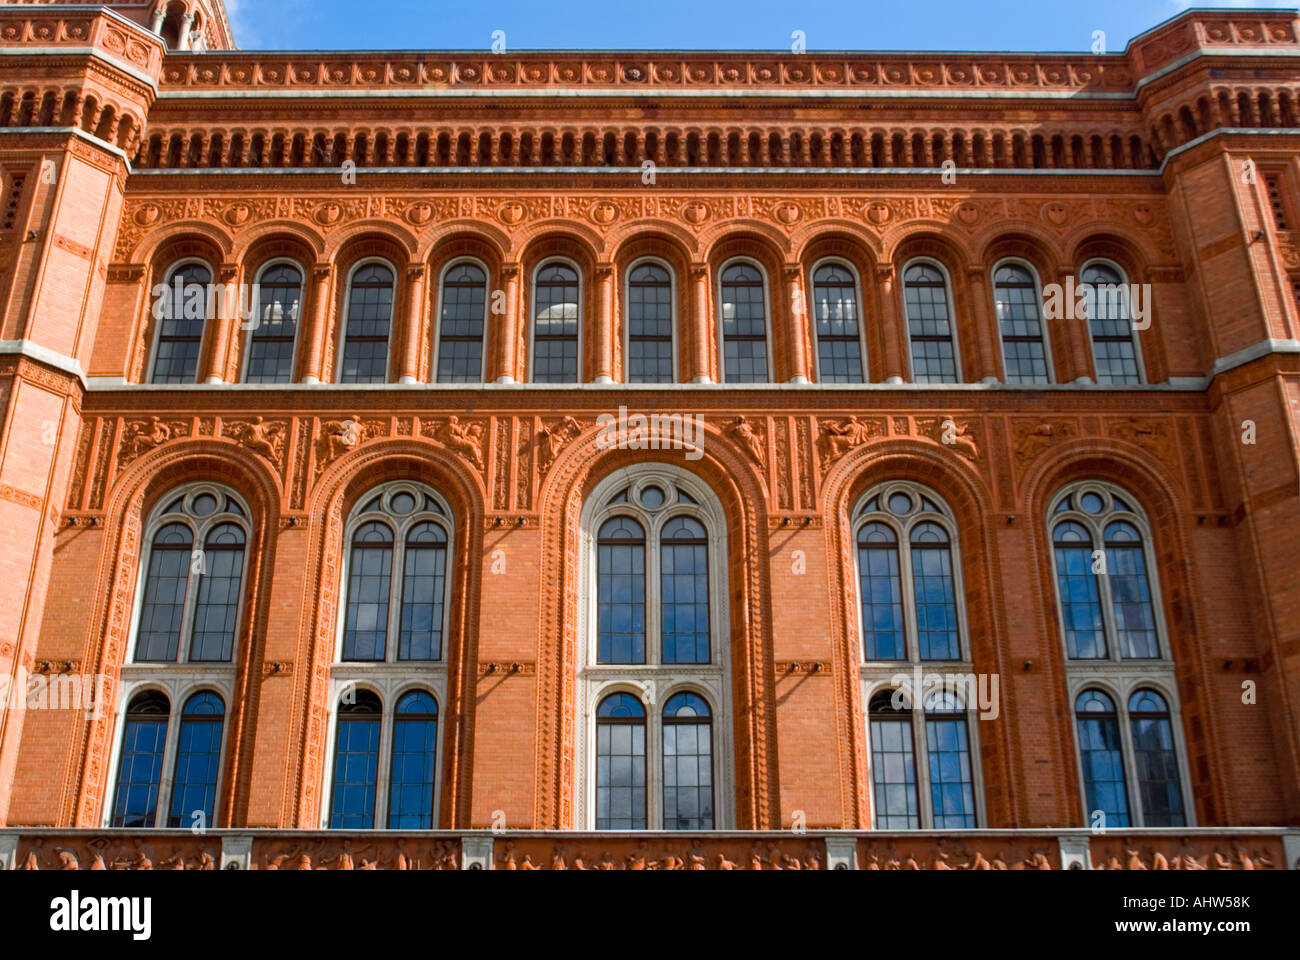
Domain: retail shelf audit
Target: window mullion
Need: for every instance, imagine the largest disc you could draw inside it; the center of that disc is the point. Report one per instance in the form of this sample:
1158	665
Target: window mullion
383	768
1135	807
911	631
167	775
653	596
395	583
193	585
1109	625
921	760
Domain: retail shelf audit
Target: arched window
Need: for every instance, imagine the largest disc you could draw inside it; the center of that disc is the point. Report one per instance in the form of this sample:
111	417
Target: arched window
181	308
835	324
688	763
462	324
1107	602
654	660
356	762
279	308
1024	350
193	579
140	766
369	322
744	325
198	762
402	528
620	764
649	324
929	324
939	793
1110	324
415	751
1137	759
907	576
557	316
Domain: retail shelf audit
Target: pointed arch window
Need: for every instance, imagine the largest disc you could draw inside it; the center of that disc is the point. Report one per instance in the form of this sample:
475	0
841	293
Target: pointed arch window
1110	324
1101	551
193	579
557	316
649	324
273	339
654	669
462	324
369	324
181	309
836	325
396	603
908	579
744	324
1024	343
929	324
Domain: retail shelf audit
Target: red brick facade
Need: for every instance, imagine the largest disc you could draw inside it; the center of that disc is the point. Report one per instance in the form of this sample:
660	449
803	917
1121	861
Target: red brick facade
1174	162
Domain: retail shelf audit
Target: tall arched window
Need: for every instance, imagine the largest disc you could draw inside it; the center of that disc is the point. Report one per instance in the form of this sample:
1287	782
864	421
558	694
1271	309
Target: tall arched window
415	752
181	308
1100	550
649	324
1137	759
654	655
369	323
557	317
140	765
462	322
744	324
1110	323
1024	349
938	793
403	529
193	578
198	761
908	577
688	763
835	324
356	762
620	764
929	324
279	309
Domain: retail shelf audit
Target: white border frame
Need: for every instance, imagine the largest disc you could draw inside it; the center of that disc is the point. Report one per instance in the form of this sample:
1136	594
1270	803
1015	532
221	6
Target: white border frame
675	306
301	323
719	320
436	346
1138	358
531	319
1044	338
954	330
342	322
653	683
810	307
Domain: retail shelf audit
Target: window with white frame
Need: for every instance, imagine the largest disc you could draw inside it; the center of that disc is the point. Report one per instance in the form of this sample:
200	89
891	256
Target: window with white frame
182	312
274	335
557	320
654	746
396	576
1110	325
1101	551
1119	668
922	773
650	323
385	769
462	323
836	324
929	323
368	323
150	744
1024	341
908	575
744	324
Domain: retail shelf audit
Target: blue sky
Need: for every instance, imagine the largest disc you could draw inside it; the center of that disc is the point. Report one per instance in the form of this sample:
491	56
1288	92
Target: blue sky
1031	25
